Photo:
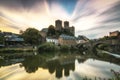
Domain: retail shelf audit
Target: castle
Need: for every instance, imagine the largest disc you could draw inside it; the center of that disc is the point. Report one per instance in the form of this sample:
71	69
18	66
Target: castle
59	27
62	29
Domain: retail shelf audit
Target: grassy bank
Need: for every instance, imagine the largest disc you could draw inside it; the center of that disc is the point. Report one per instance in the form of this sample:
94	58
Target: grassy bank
45	47
14	50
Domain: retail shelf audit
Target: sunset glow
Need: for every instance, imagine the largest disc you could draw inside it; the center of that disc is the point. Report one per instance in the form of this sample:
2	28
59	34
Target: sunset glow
88	16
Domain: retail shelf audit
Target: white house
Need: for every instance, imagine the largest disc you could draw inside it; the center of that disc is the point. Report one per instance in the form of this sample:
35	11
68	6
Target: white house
53	40
81	39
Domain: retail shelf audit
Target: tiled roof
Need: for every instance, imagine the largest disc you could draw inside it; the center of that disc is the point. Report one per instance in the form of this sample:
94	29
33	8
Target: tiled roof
81	37
1	34
45	30
14	39
11	36
67	37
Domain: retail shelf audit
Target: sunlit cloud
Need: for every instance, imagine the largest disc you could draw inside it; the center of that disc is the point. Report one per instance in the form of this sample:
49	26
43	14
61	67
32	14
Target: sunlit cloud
85	15
56	11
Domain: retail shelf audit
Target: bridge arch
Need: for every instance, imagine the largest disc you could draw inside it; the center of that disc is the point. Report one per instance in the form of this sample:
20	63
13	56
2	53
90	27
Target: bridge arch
95	47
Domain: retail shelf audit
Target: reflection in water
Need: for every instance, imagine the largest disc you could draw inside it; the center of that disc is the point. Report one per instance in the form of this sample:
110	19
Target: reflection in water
96	68
63	67
57	65
32	63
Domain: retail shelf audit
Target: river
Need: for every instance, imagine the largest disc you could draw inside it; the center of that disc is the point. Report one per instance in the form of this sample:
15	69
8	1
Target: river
58	66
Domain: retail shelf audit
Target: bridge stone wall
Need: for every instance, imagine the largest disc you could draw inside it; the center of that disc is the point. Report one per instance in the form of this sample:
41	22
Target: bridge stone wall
91	44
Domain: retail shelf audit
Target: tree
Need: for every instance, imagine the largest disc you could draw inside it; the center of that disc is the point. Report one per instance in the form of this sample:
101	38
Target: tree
2	39
67	32
32	36
21	32
51	30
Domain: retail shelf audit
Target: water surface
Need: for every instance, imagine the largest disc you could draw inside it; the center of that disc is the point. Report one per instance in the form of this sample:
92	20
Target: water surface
60	66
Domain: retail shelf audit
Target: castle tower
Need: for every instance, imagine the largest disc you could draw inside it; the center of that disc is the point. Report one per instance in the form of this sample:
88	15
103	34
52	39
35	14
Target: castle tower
58	25
66	24
72	30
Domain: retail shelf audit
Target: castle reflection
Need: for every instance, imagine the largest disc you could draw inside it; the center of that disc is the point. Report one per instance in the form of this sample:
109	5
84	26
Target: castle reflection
57	66
60	65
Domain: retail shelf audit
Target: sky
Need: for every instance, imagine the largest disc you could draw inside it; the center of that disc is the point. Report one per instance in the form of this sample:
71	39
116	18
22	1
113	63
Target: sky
91	18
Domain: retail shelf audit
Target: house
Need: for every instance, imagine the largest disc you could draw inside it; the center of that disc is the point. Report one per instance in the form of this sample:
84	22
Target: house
45	30
43	35
12	39
52	40
81	39
67	40
114	33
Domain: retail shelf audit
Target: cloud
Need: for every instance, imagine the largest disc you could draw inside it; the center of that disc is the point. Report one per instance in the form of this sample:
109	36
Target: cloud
96	18
32	16
57	10
90	17
113	14
99	31
68	5
17	4
7	23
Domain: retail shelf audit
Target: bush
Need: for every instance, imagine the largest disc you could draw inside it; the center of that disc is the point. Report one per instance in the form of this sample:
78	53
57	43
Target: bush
73	48
103	46
47	47
14	50
64	48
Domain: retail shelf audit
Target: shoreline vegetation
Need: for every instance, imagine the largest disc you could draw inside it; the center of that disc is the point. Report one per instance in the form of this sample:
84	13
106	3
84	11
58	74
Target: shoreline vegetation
15	49
49	47
32	38
45	47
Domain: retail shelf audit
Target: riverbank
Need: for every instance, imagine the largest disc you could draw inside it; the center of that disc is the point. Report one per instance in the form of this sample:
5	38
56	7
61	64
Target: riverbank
50	47
110	48
14	50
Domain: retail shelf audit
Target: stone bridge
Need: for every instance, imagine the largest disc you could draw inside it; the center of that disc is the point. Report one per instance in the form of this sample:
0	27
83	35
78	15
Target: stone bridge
92	44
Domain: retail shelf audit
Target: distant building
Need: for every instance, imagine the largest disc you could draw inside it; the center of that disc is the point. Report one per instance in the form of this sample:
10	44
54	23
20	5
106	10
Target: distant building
58	25
114	33
67	40
1	33
45	30
81	39
7	33
43	33
12	39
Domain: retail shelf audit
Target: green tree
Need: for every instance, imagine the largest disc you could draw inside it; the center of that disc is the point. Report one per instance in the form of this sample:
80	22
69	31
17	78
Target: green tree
51	30
2	39
67	32
32	36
